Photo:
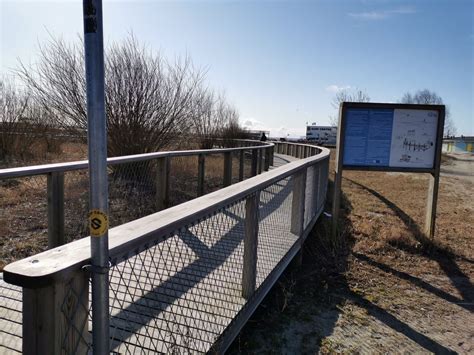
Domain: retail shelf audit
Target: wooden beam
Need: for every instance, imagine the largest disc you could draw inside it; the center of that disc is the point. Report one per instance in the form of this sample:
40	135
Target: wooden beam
298	202
267	159
227	169
254	162
55	317
241	165
55	183
201	174
163	183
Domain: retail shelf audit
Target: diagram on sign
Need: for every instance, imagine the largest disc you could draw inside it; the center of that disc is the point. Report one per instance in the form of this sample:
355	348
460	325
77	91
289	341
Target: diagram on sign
413	138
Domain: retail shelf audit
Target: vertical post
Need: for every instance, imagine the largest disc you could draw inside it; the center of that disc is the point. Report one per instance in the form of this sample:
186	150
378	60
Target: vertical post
227	169
55	209
249	272
287	149
163	183
298	202
254	162
267	158
55	317
260	160
201	172
241	164
430	219
338	173
98	192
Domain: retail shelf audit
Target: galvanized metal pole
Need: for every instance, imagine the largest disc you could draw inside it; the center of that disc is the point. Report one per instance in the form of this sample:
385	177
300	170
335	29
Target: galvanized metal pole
98	192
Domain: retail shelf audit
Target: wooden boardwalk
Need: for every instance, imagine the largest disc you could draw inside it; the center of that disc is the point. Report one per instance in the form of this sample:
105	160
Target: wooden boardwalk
181	295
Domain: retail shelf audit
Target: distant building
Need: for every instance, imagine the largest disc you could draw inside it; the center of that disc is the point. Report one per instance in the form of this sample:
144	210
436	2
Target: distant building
460	144
256	134
321	134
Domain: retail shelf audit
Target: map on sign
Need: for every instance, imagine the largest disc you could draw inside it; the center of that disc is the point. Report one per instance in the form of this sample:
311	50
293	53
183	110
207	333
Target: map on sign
390	137
413	138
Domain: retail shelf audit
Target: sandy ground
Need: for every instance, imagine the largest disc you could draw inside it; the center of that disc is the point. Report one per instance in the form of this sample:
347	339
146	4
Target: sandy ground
461	166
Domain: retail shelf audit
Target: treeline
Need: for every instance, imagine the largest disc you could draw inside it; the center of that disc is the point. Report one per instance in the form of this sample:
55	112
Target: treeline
150	101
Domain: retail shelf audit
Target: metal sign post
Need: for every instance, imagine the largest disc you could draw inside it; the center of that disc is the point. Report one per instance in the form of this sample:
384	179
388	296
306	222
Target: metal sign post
390	137
98	191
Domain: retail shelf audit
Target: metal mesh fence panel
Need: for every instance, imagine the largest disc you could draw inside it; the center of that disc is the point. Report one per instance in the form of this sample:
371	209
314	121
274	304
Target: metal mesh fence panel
274	236
311	193
179	294
23	217
76	204
214	173
247	164
131	191
183	179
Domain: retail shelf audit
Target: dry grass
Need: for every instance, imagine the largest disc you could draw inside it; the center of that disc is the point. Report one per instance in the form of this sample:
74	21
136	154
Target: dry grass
23	202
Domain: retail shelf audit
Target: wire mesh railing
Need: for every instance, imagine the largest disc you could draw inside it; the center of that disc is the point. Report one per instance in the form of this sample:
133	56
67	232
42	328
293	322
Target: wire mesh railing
186	279
47	205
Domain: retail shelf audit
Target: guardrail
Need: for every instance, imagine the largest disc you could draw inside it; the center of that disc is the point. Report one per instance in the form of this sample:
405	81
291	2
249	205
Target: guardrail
128	175
185	279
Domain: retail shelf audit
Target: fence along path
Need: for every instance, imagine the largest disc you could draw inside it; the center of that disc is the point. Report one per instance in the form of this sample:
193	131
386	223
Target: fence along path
182	280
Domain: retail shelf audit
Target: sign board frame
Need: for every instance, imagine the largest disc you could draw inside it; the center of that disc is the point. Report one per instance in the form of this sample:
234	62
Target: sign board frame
433	171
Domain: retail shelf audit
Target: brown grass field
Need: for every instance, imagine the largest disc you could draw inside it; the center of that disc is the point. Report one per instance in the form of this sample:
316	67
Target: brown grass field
23	202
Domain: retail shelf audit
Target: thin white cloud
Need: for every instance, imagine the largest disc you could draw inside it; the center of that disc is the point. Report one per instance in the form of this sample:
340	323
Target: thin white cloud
382	14
251	123
337	88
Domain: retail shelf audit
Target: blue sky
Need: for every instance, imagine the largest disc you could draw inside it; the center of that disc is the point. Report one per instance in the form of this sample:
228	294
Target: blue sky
281	62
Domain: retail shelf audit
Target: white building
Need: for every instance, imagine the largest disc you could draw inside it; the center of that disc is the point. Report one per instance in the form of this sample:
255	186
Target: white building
321	134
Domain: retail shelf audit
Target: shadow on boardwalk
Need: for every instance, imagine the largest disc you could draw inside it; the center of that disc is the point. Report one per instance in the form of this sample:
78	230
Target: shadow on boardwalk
228	238
340	300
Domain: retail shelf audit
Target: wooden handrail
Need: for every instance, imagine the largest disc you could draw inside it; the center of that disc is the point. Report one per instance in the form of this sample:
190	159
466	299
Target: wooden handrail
60	263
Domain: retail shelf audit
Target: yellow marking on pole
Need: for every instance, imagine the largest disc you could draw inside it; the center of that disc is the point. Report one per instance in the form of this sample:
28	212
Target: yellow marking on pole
98	223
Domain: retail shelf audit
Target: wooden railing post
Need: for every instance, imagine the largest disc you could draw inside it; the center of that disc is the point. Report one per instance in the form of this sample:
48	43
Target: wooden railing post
249	272
241	164
55	185
201	172
272	156
227	169
163	183
254	162
55	317
298	202
267	159
260	160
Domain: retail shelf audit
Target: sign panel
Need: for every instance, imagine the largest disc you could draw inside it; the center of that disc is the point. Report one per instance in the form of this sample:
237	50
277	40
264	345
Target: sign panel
390	137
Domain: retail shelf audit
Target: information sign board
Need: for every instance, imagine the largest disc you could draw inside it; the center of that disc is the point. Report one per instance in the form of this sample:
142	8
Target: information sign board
390	137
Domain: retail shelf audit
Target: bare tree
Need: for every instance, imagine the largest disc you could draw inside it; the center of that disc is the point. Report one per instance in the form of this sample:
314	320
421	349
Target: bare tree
148	100
24	125
346	95
428	97
213	118
206	123
13	105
